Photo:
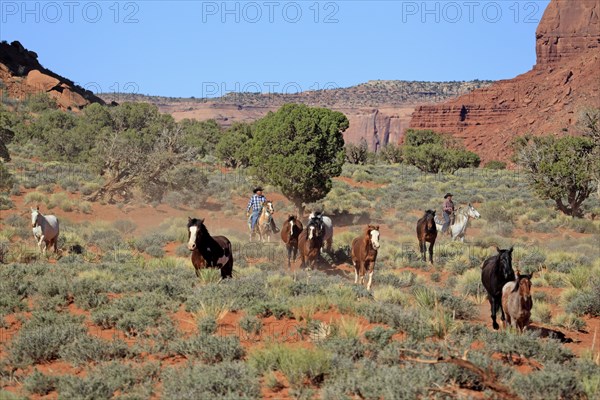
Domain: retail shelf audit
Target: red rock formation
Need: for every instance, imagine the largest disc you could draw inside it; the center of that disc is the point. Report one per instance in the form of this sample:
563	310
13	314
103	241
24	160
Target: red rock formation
22	75
545	100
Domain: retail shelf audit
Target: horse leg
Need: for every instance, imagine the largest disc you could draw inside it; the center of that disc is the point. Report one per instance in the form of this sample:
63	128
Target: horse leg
422	249
371	277
494	309
329	244
355	272
431	252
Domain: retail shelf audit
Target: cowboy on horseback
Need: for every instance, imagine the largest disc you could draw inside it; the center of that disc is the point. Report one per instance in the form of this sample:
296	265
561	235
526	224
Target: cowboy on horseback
255	204
448	212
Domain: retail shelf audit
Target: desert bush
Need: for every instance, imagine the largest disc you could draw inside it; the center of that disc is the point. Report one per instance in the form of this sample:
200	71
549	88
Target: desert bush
36	198
389	294
528	344
541	312
579	277
43	336
460	307
349	347
585	302
38	383
85	349
135	314
495	164
210	349
207	325
130	381
266	309
251	325
552	382
569	321
296	364
561	262
230	380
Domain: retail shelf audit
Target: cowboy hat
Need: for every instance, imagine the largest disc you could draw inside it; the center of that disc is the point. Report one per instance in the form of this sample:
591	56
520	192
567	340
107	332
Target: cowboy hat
258	189
448	195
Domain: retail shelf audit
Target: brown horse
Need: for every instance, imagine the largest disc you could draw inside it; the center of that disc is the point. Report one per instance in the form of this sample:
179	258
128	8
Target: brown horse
209	251
426	232
364	254
310	242
516	302
289	234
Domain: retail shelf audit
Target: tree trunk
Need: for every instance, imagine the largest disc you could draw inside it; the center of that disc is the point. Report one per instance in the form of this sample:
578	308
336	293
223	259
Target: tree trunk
300	207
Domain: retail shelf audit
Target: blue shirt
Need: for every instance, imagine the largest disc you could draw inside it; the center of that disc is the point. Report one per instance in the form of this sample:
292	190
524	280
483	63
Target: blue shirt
256	202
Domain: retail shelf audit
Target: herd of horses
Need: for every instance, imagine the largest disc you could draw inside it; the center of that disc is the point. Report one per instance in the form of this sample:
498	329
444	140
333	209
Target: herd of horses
508	292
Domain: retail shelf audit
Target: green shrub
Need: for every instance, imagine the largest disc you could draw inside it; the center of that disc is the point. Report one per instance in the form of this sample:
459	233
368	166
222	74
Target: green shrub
38	383
84	349
207	325
495	164
43	336
210	349
228	380
552	382
251	325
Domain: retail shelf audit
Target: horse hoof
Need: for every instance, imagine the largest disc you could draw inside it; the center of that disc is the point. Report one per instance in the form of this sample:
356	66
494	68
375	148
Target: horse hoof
496	326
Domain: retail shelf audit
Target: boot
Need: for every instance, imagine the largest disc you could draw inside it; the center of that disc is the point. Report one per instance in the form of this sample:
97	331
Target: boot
273	227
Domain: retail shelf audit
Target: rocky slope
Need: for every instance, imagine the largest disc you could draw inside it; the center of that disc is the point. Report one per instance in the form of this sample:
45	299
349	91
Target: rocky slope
21	74
378	111
545	100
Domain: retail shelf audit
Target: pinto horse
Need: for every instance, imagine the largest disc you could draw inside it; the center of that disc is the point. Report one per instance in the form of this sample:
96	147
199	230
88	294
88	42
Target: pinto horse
310	242
45	230
209	251
426	232
496	271
326	226
263	225
516	301
289	234
364	254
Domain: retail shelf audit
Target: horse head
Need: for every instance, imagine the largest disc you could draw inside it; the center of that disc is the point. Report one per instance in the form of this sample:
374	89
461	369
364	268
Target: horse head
472	212
35	214
194	232
523	285
314	227
430	220
505	263
268	206
373	236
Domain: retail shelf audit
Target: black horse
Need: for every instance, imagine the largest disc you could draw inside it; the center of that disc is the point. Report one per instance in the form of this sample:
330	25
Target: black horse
496	271
427	232
209	251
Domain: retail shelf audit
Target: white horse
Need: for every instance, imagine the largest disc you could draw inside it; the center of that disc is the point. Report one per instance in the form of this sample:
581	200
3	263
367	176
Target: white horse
45	230
326	226
461	220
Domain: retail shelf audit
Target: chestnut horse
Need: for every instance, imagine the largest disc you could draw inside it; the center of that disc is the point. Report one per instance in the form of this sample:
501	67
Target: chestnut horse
364	254
209	251
310	242
290	231
516	301
426	232
496	271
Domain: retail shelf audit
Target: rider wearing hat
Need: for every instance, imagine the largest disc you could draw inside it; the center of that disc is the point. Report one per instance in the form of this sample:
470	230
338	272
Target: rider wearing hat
448	212
255	206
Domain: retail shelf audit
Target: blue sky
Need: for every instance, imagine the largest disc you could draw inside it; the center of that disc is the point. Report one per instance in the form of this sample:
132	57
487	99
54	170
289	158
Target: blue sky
209	48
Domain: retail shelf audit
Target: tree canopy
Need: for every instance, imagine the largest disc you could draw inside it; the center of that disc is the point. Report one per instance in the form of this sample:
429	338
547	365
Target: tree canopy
431	152
299	149
559	169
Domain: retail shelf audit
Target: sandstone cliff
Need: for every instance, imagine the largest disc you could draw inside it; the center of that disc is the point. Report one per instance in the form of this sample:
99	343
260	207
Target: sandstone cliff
545	100
21	75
